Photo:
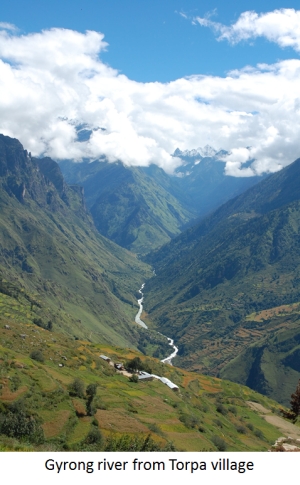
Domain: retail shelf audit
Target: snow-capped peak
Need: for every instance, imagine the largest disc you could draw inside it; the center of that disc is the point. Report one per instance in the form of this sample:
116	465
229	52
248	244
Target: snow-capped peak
206	151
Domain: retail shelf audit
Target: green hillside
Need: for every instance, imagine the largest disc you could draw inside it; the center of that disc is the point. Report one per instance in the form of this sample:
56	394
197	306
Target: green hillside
51	251
132	206
242	260
41	407
272	365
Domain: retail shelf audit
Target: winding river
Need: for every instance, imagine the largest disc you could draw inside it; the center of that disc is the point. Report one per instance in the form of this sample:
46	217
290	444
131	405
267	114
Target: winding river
167	360
138	315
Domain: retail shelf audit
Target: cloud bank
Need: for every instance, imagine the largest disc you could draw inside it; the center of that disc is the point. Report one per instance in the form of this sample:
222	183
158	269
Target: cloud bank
280	26
61	100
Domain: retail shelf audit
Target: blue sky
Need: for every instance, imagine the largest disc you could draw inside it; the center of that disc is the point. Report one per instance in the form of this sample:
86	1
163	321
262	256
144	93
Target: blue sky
154	76
150	40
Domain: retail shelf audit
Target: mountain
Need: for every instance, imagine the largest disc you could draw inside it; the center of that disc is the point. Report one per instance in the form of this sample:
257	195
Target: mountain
142	208
67	296
50	251
202	178
233	281
134	207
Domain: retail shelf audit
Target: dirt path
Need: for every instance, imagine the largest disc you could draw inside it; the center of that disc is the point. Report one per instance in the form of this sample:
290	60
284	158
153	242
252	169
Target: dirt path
125	373
286	428
258	407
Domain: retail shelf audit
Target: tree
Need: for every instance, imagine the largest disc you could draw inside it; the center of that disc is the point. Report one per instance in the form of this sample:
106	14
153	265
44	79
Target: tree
295	401
136	364
76	388
91	391
294	411
18	423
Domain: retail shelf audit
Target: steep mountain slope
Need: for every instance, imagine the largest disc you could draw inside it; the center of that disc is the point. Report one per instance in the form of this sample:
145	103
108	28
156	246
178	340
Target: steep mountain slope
142	208
242	260
130	205
272	365
50	250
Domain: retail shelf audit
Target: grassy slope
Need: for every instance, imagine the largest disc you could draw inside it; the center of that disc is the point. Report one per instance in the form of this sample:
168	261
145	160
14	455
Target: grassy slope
70	267
272	364
49	246
206	407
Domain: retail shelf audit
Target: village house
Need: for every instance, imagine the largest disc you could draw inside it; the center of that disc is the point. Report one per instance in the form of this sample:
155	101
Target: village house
170	384
104	357
144	376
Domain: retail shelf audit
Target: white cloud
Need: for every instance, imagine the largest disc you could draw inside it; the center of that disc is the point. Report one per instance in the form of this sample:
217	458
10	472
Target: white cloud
280	26
7	26
53	81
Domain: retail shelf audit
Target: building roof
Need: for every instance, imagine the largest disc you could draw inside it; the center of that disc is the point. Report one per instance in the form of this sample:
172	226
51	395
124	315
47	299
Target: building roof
104	357
145	376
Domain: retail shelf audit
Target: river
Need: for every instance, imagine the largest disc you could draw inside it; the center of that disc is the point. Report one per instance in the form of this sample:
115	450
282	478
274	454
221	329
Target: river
167	360
138	315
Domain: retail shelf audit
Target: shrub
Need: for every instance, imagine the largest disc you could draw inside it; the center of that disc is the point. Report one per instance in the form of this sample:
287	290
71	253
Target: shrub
241	429
189	421
39	322
155	429
259	434
233	410
94	436
136	443
218	423
15	382
221	409
37	355
219	443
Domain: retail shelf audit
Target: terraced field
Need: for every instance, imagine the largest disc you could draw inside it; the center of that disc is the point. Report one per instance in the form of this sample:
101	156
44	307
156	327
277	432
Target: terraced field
190	420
